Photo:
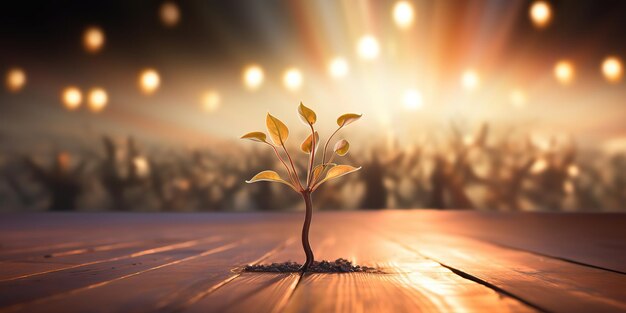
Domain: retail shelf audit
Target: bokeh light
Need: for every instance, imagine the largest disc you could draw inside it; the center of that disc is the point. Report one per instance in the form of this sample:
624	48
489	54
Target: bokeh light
149	81
518	98
412	99
540	14
612	69
210	101
253	77
338	67
97	99
564	72
403	14
93	39
292	79
72	98
470	80
368	47
170	14
16	79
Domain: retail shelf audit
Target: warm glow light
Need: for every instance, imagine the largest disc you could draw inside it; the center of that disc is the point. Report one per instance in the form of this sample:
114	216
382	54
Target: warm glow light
368	47
210	101
470	80
97	99
170	14
612	69
292	79
412	99
253	77
338	68
564	72
149	81
93	39
518	98
540	13
72	98
15	80
403	14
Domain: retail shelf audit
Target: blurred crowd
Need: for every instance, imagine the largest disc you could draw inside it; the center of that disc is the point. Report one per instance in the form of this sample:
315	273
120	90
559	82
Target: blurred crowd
509	172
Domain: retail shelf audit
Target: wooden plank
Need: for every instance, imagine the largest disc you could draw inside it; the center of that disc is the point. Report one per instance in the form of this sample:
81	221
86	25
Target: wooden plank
547	283
89	274
154	288
411	283
595	239
259	292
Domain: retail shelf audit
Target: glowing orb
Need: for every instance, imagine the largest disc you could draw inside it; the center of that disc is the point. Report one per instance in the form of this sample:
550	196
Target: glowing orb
149	81
253	77
210	100
403	14
71	98
612	69
97	99
412	99
470	80
540	14
368	48
170	14
16	79
518	98
338	68
93	39
564	72
292	79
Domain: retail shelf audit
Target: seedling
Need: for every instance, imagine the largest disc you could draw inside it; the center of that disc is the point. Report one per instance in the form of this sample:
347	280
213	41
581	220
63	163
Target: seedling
316	175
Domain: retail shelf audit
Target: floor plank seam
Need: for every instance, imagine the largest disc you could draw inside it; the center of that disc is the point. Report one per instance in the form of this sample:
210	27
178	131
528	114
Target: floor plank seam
464	274
18	306
197	297
550	256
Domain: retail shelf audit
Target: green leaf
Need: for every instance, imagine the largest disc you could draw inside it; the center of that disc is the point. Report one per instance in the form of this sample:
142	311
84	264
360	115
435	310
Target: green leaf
308	143
337	171
341	147
255	136
270	176
278	130
307	115
348	119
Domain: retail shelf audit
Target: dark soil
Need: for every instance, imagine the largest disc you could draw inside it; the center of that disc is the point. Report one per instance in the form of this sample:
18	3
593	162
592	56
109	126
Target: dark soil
337	266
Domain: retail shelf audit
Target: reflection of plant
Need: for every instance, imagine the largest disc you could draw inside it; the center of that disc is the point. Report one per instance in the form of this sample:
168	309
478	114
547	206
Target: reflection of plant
279	132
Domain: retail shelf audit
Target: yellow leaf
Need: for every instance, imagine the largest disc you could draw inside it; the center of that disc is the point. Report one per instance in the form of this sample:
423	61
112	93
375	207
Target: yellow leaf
307	115
278	130
270	176
348	119
318	169
308	142
255	136
341	147
337	171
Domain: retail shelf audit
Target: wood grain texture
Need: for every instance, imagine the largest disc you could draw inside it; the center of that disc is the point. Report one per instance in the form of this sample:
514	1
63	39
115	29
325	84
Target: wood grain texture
433	262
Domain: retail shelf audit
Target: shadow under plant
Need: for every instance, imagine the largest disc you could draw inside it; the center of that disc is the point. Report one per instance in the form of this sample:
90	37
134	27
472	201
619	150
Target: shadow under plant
316	175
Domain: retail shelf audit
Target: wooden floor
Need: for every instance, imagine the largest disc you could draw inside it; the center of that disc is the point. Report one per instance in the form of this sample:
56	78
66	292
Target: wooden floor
433	261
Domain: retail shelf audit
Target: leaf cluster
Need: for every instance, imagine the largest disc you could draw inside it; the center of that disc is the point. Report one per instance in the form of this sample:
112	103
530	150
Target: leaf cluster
316	174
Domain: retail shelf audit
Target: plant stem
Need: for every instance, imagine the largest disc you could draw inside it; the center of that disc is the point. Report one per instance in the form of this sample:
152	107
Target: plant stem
293	167
285	164
305	230
311	157
326	145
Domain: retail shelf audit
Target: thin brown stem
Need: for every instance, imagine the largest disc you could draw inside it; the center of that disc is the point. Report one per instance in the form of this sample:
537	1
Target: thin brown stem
285	164
293	167
311	157
326	145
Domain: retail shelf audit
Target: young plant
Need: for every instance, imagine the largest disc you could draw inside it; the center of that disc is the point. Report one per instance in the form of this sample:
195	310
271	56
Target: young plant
316	174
